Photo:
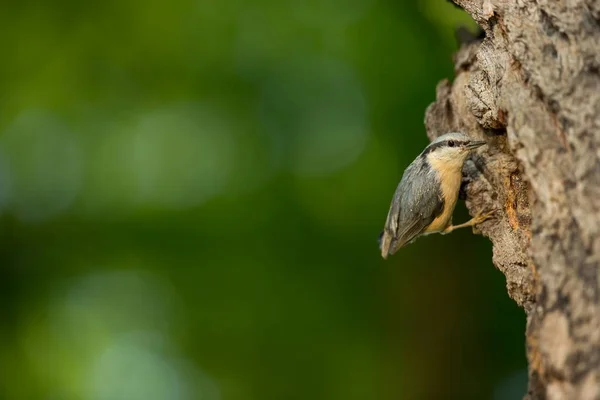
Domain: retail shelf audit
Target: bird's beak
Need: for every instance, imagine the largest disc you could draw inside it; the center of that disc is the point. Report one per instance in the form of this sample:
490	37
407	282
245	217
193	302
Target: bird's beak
475	144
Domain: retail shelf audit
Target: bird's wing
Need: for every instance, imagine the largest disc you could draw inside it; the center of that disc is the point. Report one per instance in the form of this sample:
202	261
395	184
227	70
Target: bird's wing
419	203
410	232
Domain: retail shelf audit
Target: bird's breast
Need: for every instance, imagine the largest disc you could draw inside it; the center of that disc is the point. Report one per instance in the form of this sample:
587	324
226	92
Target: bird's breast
450	180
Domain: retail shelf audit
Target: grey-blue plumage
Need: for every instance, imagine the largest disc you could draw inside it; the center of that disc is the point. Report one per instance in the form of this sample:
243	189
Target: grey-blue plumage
418	200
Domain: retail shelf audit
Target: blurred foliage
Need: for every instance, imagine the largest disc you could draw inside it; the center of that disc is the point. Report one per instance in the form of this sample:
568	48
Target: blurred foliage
191	194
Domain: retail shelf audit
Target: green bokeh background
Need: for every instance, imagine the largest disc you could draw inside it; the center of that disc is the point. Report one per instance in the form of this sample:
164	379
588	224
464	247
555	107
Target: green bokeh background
191	194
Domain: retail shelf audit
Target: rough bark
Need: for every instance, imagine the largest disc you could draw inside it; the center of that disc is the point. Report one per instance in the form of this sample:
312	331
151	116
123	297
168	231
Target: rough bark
531	86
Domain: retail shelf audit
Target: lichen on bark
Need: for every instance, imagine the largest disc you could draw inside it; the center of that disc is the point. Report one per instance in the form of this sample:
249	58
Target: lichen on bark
531	87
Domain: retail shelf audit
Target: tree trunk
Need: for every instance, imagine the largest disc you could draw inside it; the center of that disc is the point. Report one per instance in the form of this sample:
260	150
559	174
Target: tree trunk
532	87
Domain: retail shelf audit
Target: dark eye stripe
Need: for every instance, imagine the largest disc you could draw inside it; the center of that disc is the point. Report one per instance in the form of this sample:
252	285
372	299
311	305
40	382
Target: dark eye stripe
435	146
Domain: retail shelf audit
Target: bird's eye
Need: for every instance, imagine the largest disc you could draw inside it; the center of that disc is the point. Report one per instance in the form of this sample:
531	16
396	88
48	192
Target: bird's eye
451	143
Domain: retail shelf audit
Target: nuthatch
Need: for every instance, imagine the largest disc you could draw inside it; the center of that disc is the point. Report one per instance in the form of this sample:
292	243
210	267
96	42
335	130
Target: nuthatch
426	195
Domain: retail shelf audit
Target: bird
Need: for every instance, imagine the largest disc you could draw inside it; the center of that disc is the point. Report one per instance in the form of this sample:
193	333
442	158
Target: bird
424	200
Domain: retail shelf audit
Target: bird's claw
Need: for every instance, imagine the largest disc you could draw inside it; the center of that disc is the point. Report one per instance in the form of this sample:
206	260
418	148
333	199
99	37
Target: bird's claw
484	217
